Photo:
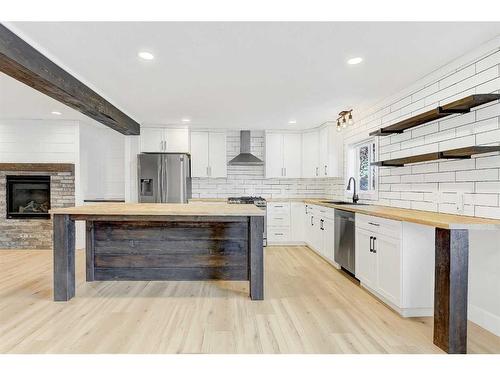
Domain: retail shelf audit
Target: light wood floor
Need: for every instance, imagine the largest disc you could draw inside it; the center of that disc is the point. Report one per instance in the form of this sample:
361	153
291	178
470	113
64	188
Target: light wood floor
309	308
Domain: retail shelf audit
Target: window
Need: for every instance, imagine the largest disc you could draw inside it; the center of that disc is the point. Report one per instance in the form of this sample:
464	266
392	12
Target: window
365	154
361	154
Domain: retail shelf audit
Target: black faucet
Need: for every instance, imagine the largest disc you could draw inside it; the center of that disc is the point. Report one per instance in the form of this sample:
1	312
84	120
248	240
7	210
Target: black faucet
355	197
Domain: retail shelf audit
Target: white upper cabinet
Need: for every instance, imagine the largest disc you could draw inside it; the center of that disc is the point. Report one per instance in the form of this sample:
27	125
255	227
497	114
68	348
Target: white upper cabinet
156	139
152	140
310	160
283	155
274	155
292	155
217	155
330	147
208	154
199	154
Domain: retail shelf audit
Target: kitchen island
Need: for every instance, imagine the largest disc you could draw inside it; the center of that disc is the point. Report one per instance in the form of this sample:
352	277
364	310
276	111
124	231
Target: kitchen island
150	241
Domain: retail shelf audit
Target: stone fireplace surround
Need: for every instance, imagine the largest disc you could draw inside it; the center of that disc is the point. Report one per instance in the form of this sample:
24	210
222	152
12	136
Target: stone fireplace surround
34	233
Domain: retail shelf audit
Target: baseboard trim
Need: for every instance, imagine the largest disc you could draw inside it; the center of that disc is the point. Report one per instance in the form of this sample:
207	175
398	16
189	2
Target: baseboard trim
485	319
412	312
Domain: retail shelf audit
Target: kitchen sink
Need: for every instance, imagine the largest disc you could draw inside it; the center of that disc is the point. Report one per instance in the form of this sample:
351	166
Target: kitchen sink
344	202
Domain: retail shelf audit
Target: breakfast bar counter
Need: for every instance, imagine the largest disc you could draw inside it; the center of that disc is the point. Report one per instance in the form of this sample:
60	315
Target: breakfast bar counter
150	241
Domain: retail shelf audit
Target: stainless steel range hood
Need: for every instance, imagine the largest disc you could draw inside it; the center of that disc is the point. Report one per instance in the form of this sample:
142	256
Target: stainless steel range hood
245	157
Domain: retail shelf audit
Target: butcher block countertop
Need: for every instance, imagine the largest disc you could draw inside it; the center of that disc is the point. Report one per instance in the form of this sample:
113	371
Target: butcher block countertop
163	209
434	219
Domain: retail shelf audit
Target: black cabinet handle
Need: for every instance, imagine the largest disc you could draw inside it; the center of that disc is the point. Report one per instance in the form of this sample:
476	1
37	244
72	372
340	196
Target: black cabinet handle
312	223
371	247
374	250
377	225
321	224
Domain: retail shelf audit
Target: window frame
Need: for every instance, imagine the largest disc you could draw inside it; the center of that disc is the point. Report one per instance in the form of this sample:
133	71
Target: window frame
353	166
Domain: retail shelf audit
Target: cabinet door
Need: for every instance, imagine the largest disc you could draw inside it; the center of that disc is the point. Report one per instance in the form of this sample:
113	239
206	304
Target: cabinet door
311	231
388	251
292	155
328	238
323	152
176	140
366	261
310	154
152	140
199	154
336	154
274	155
298	222
217	154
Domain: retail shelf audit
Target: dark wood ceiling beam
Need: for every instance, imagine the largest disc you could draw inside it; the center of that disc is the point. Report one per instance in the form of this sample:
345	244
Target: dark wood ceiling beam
24	63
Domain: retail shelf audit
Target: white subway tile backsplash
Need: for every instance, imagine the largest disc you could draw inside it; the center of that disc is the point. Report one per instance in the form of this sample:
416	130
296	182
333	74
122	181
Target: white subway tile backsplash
488	61
466	187
488	112
424	168
488	187
491	212
457	76
457	143
457	165
481	199
424	206
477	175
440	177
486	138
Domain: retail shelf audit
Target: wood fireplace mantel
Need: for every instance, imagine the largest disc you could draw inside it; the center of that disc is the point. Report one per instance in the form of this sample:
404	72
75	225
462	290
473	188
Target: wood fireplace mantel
38	167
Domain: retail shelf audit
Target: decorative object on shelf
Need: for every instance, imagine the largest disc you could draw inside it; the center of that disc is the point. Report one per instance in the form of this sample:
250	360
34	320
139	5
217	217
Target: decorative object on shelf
461	106
344	119
457	153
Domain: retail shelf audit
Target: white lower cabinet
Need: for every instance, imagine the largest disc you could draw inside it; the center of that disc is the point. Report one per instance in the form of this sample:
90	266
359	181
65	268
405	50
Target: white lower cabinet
319	233
395	261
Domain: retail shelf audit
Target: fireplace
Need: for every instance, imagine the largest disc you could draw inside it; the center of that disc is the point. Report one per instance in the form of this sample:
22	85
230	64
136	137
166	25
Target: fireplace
28	197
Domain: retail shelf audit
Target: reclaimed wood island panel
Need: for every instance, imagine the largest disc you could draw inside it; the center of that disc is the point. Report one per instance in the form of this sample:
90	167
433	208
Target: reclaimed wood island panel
149	241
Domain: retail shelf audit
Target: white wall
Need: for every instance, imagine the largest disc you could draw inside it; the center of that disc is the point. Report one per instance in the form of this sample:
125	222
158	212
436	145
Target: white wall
438	186
102	158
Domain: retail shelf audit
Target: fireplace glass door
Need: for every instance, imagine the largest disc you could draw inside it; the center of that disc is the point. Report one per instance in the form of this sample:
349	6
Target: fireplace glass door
28	197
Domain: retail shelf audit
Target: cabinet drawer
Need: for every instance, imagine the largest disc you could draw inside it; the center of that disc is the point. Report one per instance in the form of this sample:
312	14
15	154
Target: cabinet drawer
325	212
387	227
278	208
278	234
278	220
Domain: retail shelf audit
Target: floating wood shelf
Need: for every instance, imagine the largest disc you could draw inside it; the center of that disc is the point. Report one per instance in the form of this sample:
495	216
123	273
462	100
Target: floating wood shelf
458	106
458	153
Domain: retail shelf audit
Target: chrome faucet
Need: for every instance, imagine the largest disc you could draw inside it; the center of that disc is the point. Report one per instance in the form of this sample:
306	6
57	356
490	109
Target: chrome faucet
355	197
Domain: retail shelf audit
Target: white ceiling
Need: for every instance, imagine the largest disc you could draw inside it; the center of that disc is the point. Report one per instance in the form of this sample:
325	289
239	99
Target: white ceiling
239	75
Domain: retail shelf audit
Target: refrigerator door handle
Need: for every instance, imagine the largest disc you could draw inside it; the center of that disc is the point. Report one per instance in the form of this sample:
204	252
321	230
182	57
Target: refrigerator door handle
159	184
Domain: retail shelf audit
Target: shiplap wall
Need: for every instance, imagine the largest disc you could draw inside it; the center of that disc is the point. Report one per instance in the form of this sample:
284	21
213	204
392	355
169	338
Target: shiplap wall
250	180
437	186
38	141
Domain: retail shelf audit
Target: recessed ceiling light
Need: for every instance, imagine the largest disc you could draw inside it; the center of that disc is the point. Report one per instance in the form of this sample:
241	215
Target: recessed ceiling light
56	113
146	55
354	60
186	120
291	122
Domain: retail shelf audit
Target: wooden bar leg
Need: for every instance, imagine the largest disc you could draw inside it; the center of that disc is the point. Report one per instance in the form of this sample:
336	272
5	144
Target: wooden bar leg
89	250
64	257
256	257
450	292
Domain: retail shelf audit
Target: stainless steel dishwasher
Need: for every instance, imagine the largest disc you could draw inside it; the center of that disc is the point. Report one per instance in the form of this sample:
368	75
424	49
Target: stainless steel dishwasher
344	240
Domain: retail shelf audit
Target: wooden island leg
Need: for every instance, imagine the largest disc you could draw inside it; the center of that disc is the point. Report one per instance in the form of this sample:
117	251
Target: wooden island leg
64	257
256	257
450	292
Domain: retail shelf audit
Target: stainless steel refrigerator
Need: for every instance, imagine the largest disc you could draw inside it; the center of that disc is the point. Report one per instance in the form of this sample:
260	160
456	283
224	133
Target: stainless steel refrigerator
164	178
